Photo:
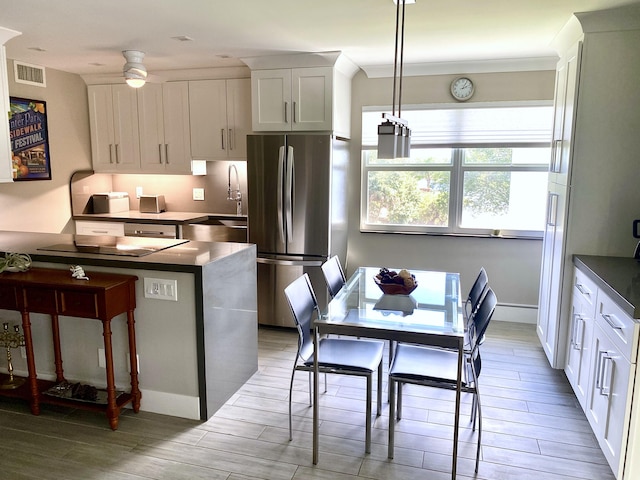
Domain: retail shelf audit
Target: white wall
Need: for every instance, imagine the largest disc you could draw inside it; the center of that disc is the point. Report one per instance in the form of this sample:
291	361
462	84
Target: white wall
513	266
44	205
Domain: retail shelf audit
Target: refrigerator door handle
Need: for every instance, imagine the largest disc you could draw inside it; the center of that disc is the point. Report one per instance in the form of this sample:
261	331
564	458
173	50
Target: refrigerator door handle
289	194
293	263
280	192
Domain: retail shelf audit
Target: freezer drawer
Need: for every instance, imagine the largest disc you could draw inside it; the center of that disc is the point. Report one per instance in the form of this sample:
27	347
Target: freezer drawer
273	277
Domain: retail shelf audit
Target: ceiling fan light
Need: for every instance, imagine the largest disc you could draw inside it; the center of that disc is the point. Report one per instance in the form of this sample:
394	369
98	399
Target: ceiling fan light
134	71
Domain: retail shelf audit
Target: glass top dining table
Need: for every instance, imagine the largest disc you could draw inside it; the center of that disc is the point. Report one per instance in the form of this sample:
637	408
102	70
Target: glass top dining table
430	315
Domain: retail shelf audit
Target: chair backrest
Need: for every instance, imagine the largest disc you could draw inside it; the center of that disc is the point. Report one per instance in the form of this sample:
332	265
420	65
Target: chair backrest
303	304
476	293
479	325
333	275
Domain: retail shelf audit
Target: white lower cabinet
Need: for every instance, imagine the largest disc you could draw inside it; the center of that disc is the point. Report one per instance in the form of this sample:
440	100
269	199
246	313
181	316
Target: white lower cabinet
601	366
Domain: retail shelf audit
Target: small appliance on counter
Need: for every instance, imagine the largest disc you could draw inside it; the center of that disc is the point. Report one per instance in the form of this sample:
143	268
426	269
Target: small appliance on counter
111	202
636	234
152	204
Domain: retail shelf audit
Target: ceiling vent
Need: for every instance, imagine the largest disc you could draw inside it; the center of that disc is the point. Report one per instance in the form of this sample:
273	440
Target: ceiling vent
29	74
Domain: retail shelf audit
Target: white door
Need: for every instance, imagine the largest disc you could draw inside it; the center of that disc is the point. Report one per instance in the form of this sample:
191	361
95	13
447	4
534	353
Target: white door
208	119
238	116
312	101
271	100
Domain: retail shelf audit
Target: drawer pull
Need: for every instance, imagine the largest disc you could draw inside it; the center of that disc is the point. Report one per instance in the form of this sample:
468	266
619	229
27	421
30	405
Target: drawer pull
583	290
609	319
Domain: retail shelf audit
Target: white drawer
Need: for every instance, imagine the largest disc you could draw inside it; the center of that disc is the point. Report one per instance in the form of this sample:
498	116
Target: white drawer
115	229
619	327
584	288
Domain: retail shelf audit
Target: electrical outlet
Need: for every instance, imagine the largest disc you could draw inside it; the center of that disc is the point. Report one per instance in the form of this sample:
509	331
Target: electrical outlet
102	363
198	193
161	288
23	352
138	192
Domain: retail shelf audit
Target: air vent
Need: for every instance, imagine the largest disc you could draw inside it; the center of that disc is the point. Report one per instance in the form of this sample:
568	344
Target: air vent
29	74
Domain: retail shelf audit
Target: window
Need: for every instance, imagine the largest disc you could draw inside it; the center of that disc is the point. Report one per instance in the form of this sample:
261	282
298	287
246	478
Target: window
471	171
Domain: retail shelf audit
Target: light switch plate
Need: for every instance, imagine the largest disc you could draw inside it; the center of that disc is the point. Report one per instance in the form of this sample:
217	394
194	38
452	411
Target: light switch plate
198	193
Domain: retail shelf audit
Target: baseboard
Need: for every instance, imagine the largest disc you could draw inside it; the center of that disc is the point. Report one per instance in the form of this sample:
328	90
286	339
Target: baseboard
171	404
516	313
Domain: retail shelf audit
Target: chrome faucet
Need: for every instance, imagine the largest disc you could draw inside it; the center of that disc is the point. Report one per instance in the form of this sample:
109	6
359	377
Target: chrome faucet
234	195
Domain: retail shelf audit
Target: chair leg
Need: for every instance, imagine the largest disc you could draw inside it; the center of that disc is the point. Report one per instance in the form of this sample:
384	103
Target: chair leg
293	372
310	388
392	423
399	406
477	396
367	440
379	398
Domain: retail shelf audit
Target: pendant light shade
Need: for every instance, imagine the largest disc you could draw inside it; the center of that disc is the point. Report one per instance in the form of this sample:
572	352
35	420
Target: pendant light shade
135	73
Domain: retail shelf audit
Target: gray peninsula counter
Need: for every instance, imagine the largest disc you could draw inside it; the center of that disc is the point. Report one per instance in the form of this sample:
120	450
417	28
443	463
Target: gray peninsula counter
195	349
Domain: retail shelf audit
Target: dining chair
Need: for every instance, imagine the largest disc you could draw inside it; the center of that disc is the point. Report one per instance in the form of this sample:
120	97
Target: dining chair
475	294
335	355
434	367
333	275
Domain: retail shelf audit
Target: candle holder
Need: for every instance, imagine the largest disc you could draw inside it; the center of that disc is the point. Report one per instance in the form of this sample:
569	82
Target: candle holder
9	340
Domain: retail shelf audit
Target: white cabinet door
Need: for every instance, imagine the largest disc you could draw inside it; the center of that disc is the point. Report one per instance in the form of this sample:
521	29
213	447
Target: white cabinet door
312	98
163	113
298	99
238	117
113	115
271	100
551	279
580	335
220	118
6	164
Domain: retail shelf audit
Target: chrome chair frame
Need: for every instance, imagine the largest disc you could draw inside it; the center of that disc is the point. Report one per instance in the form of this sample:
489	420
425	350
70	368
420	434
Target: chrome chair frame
333	275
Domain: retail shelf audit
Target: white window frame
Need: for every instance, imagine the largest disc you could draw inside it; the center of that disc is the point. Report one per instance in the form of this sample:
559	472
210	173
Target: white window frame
457	169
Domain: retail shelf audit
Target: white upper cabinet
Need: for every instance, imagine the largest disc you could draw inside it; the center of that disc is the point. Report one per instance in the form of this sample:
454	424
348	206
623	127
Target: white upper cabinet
220	118
6	169
302	93
115	141
163	113
298	99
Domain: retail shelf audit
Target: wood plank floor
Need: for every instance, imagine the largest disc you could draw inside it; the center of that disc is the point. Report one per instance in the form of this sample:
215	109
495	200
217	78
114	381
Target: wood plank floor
533	429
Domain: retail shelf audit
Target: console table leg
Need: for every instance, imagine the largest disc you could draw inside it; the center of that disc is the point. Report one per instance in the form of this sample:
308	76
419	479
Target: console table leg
31	364
57	354
133	362
112	411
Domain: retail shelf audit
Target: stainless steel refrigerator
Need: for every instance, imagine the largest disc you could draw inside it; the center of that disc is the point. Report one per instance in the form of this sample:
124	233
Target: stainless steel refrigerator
297	209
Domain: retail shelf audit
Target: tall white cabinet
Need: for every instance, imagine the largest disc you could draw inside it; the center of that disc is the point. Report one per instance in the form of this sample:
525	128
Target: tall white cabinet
6	169
593	193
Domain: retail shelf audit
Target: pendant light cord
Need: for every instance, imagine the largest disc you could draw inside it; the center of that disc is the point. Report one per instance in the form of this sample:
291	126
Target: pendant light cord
399	38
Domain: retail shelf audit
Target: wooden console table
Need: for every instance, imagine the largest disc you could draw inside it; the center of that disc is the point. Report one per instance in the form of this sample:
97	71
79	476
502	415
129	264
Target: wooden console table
55	292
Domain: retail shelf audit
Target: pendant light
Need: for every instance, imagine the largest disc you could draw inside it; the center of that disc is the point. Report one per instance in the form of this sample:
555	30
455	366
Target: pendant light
135	73
394	135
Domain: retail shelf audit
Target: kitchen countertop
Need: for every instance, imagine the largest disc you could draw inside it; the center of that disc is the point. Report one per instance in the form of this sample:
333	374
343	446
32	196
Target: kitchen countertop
619	277
166	218
187	257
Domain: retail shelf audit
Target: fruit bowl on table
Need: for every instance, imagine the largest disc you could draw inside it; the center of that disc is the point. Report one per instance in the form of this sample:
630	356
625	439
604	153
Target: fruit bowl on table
392	284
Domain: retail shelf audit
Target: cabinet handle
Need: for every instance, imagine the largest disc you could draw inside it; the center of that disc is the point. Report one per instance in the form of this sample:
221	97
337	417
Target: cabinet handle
166	153
111	153
601	353
578	331
222	138
286	109
609	319
554	156
583	290
552	210
572	340
117	156
232	139
294	112
160	153
607	374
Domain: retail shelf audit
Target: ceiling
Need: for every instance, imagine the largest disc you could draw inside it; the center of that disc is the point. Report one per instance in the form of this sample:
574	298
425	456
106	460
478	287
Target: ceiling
87	37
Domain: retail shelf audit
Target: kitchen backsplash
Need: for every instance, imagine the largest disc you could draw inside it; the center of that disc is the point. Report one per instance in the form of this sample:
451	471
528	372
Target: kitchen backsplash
177	189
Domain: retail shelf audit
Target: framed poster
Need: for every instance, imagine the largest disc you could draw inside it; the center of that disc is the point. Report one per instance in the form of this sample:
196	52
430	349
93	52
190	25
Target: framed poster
29	139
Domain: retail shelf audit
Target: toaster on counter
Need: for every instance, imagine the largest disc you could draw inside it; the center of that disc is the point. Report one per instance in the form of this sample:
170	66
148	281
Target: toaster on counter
152	204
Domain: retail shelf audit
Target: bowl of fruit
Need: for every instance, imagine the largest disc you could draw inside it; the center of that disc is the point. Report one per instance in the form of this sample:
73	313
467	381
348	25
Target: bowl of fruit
396	283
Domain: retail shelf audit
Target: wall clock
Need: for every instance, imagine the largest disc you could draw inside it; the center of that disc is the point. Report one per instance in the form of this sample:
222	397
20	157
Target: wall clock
462	88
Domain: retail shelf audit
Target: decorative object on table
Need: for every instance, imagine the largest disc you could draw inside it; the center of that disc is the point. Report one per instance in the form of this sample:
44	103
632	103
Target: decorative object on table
396	283
9	340
29	139
15	262
77	272
80	391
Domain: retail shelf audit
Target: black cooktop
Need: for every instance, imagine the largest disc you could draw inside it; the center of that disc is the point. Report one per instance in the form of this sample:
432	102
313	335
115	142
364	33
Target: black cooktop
108	245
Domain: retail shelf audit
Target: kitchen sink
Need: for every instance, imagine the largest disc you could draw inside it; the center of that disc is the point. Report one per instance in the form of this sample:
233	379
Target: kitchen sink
217	229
